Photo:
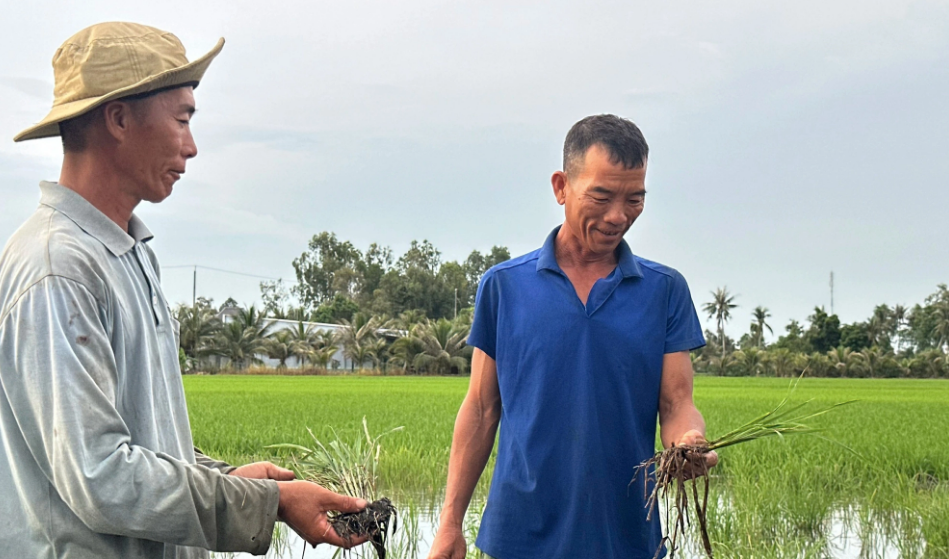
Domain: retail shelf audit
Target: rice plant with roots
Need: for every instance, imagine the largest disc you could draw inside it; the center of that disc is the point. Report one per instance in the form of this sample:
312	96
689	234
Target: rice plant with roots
349	469
676	471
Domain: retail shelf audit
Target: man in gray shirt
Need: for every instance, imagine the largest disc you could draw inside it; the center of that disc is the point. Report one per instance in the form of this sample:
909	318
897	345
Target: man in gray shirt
98	460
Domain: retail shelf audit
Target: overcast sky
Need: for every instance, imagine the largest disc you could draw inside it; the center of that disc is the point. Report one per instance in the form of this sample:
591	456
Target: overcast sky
788	139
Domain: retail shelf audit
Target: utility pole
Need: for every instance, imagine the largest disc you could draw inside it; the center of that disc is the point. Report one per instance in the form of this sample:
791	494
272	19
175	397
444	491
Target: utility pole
456	302
831	292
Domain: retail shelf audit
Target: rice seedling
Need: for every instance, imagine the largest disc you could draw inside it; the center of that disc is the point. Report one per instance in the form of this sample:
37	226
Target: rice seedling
676	471
349	469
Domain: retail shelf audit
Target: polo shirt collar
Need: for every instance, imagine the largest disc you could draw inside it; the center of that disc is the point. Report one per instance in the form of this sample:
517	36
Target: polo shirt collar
92	221
626	262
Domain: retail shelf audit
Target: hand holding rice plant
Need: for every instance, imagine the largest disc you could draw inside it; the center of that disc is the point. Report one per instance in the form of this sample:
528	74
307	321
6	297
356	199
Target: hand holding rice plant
679	464
349	469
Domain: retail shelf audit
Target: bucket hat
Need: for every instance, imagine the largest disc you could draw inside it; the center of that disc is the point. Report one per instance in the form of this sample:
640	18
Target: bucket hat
108	61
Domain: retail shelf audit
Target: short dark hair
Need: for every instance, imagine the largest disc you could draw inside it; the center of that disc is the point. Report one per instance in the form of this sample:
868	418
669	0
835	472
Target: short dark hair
621	138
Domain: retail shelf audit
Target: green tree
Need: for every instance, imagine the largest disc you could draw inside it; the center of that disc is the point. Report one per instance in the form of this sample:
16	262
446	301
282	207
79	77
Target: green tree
824	331
198	325
337	310
316	268
357	338
280	346
720	308
760	316
443	347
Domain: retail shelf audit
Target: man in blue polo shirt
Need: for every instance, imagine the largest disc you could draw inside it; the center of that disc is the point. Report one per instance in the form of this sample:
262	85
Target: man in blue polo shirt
579	347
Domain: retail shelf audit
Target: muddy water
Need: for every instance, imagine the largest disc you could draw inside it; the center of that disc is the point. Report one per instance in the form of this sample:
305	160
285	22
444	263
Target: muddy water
845	539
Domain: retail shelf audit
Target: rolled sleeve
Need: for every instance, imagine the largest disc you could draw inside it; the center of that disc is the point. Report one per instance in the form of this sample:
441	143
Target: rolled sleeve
59	376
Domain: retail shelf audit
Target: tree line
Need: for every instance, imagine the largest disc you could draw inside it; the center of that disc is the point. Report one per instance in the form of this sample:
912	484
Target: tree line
893	342
414	313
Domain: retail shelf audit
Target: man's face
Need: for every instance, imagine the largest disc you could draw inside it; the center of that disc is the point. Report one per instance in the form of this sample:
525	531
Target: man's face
159	143
601	200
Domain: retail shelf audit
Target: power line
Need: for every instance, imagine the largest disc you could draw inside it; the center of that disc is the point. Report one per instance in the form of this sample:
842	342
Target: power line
219	270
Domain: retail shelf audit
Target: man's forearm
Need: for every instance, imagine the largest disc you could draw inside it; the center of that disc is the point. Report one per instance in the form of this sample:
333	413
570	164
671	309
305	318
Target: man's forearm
678	421
471	446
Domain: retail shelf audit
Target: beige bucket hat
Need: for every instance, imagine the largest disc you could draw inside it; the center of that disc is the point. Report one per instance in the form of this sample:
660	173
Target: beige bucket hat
108	61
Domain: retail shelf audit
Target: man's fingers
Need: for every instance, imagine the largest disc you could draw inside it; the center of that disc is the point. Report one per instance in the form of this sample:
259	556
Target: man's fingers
281	474
331	537
711	459
343	503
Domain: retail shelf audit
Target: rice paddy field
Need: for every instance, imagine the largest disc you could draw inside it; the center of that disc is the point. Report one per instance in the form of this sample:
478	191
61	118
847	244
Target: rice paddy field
875	484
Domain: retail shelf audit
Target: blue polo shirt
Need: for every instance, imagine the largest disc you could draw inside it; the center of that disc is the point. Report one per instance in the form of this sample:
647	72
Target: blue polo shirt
579	401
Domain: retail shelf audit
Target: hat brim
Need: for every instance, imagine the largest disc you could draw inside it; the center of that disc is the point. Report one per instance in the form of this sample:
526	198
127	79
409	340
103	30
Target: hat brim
182	75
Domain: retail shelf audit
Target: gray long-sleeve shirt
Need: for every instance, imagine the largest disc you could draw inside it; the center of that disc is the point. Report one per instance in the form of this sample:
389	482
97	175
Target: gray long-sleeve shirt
97	456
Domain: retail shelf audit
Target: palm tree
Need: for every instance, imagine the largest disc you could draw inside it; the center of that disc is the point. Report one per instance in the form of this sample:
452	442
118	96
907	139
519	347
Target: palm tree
304	339
357	337
443	347
844	360
782	362
899	316
761	315
722	365
280	346
199	326
753	360
404	350
322	356
941	329
720	309
239	344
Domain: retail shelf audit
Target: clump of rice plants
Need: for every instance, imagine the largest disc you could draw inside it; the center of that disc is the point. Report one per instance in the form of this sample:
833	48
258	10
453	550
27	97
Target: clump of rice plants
349	468
677	470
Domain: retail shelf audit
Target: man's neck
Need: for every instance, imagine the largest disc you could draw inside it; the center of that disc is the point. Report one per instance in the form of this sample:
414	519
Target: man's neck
571	254
100	185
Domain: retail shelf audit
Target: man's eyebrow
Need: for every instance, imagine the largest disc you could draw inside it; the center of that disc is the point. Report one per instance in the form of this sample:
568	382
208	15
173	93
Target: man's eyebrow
186	108
601	190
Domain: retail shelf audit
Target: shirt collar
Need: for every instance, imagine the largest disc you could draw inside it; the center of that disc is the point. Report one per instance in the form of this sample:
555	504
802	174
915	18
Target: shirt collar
92	221
626	262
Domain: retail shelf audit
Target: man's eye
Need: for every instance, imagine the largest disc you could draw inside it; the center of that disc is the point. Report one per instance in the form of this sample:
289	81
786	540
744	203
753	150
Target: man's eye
636	201
601	200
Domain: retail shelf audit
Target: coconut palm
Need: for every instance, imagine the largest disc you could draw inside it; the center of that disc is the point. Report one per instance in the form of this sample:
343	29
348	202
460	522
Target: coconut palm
304	340
752	360
722	365
404	349
782	362
443	347
761	315
357	338
899	317
199	325
238	344
720	309
281	346
941	317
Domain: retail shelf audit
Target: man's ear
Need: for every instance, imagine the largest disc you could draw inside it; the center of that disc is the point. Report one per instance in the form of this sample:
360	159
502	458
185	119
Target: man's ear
118	119
559	182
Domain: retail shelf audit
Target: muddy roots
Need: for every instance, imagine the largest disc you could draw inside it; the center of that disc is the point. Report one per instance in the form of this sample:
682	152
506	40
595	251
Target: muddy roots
677	472
372	522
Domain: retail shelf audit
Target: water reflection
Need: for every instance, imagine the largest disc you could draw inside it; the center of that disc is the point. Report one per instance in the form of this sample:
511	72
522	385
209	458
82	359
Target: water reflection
844	534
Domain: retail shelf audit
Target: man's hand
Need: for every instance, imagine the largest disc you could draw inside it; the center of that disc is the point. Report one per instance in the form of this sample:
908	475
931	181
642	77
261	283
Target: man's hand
449	544
303	507
264	470
696	438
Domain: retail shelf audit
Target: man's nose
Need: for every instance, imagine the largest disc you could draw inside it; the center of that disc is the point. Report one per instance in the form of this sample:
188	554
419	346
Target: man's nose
615	215
189	149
